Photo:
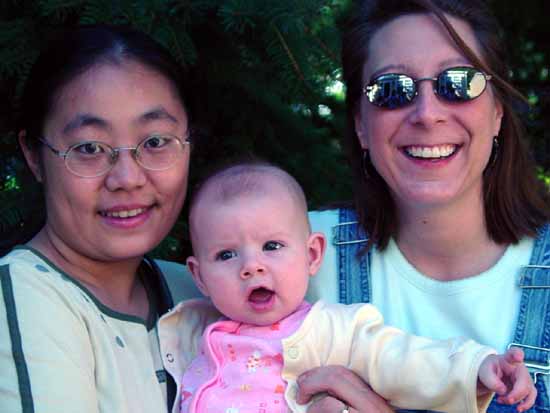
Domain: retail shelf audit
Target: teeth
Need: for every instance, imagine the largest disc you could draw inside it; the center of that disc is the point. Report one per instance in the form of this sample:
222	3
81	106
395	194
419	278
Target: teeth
124	214
430	152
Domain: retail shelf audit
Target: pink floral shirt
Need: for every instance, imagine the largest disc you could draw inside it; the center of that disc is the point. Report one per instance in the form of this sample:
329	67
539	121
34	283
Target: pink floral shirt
239	368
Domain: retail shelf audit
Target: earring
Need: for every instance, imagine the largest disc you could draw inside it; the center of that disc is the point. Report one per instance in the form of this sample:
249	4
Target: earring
365	162
494	152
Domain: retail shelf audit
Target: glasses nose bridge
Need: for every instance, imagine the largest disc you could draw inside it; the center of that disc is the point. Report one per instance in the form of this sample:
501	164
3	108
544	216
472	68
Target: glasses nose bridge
428	107
116	152
425	79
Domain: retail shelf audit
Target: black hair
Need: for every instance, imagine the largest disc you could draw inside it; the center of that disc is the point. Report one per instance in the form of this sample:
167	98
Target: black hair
67	55
75	51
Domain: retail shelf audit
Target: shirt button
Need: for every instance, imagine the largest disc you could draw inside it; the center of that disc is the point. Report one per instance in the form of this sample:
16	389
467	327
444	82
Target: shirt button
293	392
293	352
170	358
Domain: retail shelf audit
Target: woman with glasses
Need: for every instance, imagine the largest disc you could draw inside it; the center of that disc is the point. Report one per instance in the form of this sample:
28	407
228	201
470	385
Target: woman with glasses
105	129
449	234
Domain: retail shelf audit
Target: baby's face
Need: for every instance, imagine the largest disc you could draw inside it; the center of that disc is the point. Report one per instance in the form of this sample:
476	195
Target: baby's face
254	255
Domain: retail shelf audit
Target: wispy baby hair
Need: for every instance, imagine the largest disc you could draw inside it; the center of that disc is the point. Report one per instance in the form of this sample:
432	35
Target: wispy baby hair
244	177
251	176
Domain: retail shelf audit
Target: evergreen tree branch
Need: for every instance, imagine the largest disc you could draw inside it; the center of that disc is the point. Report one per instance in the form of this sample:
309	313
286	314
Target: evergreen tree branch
290	55
177	45
326	49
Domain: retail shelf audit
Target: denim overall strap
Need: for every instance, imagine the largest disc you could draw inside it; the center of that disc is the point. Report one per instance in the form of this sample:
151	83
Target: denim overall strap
353	269
533	327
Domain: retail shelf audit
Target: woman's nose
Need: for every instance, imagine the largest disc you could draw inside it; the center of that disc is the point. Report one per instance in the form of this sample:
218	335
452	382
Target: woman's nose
427	107
126	173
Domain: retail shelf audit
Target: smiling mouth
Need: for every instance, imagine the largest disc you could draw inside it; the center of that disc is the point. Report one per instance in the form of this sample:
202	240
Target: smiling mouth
129	213
260	295
431	152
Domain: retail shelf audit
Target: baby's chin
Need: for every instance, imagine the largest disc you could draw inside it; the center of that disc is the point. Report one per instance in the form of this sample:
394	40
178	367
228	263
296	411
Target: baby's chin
263	320
260	319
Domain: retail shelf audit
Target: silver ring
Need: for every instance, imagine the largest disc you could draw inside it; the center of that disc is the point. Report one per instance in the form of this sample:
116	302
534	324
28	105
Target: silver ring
345	409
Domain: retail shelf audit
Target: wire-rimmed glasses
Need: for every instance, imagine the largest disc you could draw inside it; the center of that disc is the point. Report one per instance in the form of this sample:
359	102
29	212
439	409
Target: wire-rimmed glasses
90	159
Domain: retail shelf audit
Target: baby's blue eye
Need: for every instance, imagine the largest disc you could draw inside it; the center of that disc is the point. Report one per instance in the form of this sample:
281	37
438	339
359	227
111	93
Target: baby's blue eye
272	245
225	255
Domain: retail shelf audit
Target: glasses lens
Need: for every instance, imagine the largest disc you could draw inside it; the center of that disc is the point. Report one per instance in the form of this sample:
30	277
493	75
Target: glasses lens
460	84
391	91
89	159
159	152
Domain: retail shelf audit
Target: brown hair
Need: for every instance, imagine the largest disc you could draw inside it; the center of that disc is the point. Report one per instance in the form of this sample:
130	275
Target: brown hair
516	203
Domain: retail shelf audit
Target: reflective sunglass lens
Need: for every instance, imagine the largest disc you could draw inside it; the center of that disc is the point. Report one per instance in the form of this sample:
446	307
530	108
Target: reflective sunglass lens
391	91
460	84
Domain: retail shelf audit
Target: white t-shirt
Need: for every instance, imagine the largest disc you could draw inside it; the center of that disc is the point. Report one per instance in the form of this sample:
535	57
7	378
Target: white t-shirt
483	307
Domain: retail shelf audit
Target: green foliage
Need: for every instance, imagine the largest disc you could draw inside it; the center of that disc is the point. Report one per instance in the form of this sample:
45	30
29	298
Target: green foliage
263	78
527	33
544	176
21	213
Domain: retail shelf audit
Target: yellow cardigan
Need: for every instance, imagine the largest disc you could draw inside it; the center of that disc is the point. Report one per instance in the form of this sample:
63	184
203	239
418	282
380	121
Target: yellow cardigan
409	371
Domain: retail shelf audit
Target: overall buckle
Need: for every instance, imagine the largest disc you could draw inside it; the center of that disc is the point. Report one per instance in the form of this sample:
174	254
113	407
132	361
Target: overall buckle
522	283
348	226
535	368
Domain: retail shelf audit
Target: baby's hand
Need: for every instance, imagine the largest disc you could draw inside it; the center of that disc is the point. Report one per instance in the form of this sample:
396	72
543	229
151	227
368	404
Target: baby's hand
506	375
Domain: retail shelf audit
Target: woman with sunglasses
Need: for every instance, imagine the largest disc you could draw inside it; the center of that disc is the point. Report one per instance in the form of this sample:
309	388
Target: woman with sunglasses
105	129
449	235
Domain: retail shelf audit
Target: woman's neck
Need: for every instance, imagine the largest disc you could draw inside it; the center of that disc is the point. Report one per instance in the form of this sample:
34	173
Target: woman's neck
448	243
113	283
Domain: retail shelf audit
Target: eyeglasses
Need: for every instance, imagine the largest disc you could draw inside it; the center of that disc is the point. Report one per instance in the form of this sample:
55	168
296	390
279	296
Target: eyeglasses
456	84
90	159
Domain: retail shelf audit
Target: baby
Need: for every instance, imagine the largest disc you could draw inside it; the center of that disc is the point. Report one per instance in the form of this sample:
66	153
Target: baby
253	255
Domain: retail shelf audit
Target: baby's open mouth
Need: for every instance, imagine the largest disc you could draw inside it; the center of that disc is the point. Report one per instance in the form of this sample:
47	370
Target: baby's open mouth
260	295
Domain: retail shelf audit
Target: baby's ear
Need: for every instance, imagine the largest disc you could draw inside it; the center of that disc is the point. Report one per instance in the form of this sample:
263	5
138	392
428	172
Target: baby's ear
316	245
194	268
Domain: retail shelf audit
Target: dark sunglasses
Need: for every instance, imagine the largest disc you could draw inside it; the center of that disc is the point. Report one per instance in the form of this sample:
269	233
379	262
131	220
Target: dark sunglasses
455	84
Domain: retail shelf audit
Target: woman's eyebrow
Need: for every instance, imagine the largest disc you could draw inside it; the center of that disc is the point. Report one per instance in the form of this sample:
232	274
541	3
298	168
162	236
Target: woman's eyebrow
82	120
390	68
405	69
158	113
87	119
454	61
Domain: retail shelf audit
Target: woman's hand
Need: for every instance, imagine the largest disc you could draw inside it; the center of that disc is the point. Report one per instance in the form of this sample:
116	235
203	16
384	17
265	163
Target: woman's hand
344	389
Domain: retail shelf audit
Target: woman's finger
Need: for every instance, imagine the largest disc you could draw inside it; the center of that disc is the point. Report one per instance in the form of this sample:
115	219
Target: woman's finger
344	386
329	404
